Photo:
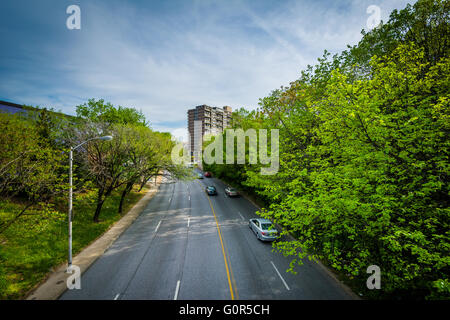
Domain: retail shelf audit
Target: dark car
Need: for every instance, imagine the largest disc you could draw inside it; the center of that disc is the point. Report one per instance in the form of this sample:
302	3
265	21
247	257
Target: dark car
211	190
208	174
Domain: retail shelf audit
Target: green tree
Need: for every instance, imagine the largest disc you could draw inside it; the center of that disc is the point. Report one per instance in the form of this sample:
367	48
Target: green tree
364	168
99	111
135	154
148	156
29	169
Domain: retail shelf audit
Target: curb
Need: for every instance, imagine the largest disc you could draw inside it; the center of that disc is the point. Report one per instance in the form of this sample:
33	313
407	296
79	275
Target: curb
55	284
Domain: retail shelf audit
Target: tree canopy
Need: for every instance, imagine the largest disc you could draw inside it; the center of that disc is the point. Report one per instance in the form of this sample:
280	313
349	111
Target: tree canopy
364	148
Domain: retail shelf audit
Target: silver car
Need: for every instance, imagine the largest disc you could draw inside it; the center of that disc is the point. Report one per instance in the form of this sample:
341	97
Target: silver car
231	192
263	228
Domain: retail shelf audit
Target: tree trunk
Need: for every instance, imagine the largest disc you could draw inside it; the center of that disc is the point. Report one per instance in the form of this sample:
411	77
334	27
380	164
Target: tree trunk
125	192
100	201
144	181
98	209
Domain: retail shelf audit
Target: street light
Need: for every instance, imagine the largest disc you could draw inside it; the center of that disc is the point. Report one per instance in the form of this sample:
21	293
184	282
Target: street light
104	138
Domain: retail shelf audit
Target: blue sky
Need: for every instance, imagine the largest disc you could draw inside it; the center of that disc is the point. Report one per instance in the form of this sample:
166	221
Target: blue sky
164	57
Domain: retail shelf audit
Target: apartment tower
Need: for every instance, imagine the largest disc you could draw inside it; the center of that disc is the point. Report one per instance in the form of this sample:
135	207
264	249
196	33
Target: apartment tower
206	120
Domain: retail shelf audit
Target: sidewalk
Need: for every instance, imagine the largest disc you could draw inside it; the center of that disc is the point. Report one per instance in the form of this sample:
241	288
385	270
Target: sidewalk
55	285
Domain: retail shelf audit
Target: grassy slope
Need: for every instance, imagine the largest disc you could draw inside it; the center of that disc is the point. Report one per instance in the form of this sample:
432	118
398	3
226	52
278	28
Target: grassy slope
30	248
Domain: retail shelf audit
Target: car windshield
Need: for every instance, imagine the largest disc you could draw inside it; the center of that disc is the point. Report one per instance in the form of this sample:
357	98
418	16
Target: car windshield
266	226
211	188
232	190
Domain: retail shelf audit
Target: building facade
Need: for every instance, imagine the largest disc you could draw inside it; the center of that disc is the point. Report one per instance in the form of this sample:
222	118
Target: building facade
204	120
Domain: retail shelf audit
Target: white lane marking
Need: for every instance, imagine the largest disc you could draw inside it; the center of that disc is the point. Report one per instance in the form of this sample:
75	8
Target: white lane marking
176	290
241	216
117	296
157	227
284	282
189	198
189	220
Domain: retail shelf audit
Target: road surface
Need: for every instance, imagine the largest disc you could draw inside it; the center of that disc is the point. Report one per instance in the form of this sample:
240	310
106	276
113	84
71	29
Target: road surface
186	245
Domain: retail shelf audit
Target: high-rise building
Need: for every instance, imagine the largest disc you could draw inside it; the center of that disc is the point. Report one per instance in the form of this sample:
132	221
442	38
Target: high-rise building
203	120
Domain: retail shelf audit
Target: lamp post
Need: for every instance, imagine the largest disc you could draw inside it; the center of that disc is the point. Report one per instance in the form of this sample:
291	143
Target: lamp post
105	138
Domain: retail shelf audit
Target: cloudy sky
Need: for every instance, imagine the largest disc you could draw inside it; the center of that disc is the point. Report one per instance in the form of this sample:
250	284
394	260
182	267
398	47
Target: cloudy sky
164	57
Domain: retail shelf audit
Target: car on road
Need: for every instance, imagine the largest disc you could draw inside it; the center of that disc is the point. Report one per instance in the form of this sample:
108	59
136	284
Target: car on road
231	192
208	174
211	190
264	229
200	176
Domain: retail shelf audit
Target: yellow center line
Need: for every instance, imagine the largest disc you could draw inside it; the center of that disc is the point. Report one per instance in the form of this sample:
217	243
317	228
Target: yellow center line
228	268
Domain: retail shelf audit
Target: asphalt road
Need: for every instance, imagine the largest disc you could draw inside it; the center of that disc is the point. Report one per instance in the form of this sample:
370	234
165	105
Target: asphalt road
187	245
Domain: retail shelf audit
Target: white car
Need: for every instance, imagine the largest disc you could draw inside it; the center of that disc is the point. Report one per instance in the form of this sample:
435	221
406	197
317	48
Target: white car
231	192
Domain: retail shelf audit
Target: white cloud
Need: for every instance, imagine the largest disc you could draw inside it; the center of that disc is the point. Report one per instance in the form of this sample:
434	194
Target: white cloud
180	134
217	53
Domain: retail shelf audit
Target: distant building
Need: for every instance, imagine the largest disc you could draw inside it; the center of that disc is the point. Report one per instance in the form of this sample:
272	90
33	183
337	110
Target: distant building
14	108
9	107
206	120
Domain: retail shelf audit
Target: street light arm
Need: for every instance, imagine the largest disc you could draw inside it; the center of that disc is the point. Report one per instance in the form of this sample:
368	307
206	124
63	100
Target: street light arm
84	143
96	138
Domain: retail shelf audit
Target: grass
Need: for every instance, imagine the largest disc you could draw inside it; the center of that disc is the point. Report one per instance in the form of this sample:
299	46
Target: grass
37	242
